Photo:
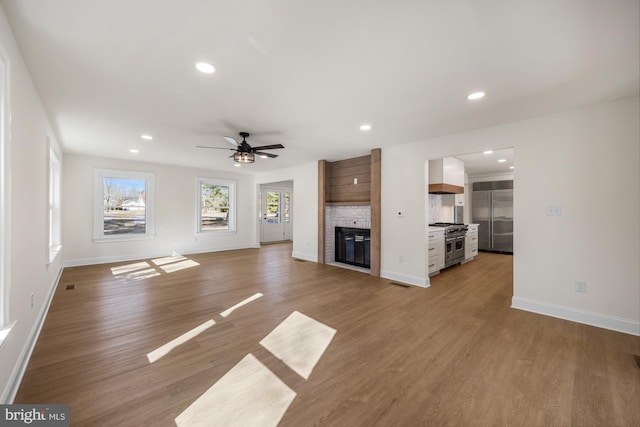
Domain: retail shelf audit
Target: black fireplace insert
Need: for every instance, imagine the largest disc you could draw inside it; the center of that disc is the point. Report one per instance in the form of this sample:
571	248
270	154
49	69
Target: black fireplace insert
353	246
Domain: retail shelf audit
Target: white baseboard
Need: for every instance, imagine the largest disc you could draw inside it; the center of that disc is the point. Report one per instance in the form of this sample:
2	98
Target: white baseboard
422	282
613	323
9	393
304	256
134	257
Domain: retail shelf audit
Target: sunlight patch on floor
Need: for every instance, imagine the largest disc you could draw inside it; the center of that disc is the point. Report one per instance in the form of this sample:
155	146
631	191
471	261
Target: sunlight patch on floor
165	349
299	341
124	269
240	304
177	266
168	259
248	395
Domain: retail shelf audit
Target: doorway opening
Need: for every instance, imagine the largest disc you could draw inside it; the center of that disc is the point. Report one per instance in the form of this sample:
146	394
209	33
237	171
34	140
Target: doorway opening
276	212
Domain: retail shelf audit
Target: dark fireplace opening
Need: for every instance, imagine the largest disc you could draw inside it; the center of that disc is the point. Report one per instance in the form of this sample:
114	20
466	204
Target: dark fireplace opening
353	246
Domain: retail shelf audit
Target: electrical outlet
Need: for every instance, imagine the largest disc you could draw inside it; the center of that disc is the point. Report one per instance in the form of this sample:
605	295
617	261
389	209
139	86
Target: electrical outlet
581	286
400	258
554	210
31	299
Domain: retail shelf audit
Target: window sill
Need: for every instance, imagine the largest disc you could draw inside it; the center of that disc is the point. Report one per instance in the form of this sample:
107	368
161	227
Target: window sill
124	238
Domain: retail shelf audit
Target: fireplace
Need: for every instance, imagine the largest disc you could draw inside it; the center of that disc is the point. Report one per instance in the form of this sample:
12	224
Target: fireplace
353	246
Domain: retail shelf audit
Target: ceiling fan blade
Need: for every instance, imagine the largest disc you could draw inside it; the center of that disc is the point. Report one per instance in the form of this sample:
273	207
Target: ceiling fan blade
261	154
231	141
269	147
215	148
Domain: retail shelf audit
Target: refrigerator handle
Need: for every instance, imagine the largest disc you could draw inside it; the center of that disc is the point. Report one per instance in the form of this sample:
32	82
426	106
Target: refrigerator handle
491	221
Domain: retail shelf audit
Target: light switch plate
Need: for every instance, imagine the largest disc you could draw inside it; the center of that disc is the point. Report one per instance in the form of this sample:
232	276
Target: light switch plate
554	210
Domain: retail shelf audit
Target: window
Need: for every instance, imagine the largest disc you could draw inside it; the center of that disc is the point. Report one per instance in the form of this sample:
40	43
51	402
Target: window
123	205
287	207
54	218
273	207
216	205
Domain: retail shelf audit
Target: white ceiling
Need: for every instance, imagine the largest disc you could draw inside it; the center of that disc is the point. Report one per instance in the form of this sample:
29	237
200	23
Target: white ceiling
308	74
488	162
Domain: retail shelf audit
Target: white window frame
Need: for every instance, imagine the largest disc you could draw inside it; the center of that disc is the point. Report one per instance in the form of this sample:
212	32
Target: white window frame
98	205
232	205
54	200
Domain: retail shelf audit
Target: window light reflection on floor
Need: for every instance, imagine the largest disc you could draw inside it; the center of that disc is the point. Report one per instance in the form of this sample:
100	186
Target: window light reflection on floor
240	304
168	259
166	349
177	266
299	341
248	395
124	269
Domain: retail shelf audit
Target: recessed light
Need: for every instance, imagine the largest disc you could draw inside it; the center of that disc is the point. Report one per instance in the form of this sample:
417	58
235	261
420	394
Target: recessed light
365	127
237	165
511	167
502	160
134	151
487	152
146	136
263	156
475	95
204	67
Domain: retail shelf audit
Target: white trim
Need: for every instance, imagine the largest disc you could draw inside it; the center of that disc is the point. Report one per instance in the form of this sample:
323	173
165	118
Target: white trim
304	256
147	255
11	389
98	204
422	282
627	326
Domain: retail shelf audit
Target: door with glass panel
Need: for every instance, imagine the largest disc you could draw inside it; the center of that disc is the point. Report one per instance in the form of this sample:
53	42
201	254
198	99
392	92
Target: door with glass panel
275	214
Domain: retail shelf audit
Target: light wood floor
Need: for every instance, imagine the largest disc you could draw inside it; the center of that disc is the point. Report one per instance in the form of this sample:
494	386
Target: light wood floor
453	354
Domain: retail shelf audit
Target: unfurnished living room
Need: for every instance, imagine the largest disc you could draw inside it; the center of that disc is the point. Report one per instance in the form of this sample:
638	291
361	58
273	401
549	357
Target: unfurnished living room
277	213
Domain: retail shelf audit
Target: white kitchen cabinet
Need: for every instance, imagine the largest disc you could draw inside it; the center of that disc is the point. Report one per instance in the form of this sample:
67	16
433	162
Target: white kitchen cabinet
435	251
471	243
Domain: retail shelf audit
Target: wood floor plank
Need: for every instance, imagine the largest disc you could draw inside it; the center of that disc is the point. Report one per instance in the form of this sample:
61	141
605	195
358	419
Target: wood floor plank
453	354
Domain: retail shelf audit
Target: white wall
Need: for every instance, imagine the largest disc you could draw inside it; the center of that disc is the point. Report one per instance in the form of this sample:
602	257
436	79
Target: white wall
28	245
586	160
175	212
305	206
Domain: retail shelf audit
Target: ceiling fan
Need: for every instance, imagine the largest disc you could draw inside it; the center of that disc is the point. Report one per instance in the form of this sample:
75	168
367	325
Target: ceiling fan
244	153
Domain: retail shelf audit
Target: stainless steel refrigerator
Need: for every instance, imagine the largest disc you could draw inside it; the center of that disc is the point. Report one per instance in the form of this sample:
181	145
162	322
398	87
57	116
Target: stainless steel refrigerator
492	210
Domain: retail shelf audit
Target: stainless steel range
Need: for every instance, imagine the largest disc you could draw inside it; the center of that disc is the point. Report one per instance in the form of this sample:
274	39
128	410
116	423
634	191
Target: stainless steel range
454	237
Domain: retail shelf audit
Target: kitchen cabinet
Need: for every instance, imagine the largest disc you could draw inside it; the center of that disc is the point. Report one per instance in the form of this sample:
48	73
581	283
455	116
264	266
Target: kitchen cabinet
471	243
435	250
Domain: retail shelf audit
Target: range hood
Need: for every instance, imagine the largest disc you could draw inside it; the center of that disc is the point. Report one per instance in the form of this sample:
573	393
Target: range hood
446	176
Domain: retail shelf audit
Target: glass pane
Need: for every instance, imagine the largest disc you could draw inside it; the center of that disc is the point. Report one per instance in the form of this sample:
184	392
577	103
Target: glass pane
287	206
124	206
214	207
273	207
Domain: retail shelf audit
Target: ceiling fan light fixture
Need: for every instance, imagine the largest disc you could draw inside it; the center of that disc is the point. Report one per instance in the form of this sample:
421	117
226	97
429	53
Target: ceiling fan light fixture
239	157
